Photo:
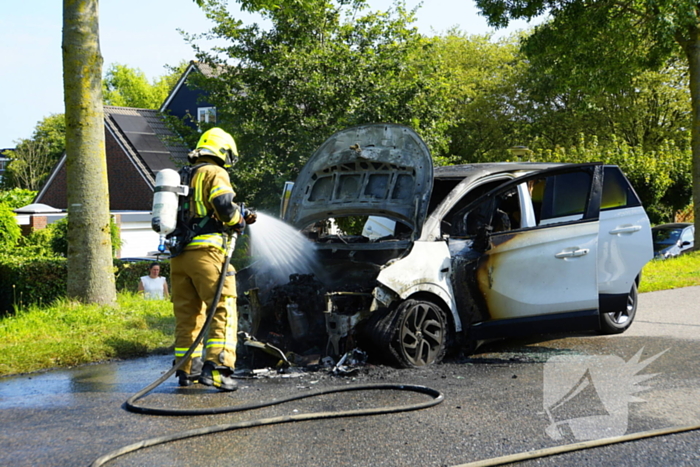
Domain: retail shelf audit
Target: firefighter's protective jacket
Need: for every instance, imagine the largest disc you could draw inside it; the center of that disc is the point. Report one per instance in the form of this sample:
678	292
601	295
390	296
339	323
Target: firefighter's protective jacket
212	195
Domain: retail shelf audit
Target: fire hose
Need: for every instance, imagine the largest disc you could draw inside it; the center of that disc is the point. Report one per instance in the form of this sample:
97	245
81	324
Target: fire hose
435	396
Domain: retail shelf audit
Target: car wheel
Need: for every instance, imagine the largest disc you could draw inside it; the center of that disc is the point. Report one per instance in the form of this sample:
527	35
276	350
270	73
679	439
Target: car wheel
420	334
617	322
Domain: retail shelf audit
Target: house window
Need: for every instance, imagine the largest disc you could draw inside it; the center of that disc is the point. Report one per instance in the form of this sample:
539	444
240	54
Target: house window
206	114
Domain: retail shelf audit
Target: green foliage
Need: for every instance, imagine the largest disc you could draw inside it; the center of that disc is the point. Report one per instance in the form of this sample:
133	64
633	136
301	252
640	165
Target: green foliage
482	79
128	87
128	274
17	197
29	280
34	280
10	231
316	71
33	158
52	130
59	236
36	244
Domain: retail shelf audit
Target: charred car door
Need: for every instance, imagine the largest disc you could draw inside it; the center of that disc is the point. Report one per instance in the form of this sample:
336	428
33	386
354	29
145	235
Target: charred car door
524	255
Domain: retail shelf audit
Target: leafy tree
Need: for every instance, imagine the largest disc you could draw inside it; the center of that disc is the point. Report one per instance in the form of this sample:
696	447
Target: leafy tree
129	87
33	158
17	197
90	277
30	163
606	43
653	107
10	231
483	81
51	131
319	69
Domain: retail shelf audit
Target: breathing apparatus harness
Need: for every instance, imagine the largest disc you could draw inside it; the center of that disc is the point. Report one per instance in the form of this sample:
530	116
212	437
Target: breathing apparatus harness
172	216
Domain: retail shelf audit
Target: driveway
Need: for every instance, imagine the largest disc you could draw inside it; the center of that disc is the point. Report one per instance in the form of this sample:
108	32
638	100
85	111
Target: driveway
512	396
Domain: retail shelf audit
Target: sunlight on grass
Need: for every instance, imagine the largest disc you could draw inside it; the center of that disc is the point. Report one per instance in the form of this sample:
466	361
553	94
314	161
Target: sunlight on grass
68	333
672	273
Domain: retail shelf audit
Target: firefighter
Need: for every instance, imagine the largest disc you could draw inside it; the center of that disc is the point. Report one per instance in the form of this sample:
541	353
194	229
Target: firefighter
195	271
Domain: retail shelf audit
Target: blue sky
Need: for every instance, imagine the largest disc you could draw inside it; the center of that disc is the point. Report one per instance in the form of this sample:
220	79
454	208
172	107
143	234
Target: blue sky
141	34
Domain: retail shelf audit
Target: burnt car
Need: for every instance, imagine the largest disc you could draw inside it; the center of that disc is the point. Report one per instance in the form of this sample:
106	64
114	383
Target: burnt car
414	260
673	239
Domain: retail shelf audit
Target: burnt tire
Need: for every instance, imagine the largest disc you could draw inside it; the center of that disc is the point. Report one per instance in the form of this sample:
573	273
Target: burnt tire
617	322
419	334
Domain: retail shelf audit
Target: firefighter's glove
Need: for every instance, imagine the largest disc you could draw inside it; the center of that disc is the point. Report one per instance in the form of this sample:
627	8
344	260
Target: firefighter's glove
235	228
239	228
250	216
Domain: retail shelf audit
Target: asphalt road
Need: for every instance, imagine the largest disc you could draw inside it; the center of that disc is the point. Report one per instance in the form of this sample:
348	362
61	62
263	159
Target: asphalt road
512	396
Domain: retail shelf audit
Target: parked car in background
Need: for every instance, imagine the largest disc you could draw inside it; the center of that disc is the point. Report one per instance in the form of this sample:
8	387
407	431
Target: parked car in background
673	239
449	256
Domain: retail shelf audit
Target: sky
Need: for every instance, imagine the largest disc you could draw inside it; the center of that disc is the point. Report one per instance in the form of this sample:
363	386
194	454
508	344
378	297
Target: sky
141	34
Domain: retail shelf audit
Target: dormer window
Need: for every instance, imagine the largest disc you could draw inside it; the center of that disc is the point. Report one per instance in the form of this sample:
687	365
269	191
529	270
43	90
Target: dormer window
206	114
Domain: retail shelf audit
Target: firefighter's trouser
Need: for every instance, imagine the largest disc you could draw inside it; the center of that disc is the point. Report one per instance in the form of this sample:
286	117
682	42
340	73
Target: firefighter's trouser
194	275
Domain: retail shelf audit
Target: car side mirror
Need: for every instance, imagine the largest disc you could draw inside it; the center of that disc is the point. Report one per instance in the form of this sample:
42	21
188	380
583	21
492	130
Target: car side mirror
685	243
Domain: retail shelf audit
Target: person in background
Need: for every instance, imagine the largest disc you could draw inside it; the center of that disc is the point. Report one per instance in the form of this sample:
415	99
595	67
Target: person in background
153	286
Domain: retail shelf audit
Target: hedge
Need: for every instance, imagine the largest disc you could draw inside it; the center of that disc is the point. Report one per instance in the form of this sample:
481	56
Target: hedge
27	281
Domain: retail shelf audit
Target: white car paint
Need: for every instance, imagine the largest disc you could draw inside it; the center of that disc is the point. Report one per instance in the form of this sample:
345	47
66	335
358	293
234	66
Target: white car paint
425	269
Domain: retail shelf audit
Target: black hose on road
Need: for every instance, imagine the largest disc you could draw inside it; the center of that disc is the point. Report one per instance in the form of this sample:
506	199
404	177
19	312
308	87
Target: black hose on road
130	404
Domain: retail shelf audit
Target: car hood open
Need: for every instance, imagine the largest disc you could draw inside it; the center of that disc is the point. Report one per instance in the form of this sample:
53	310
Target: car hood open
377	169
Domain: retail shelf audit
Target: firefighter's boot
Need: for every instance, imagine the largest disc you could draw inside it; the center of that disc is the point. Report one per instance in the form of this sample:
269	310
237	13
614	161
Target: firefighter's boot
221	377
187	379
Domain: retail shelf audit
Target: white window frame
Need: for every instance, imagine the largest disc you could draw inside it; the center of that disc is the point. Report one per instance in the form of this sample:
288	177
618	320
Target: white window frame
206	114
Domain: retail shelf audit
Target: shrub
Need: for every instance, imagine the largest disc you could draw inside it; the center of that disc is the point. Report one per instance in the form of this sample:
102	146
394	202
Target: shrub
37	243
59	237
17	197
128	274
10	232
30	280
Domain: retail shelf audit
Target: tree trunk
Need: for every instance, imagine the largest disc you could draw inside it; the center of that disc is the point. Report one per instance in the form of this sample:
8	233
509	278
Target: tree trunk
691	46
90	272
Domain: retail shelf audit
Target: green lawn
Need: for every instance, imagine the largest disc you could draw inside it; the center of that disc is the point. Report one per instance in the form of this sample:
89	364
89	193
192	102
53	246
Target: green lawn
672	273
68	333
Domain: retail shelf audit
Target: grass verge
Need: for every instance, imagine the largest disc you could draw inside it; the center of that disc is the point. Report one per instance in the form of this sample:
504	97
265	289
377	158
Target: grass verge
672	273
67	333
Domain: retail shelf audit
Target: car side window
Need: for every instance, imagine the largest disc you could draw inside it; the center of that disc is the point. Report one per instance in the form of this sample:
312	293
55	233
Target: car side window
560	198
502	213
688	235
617	191
537	201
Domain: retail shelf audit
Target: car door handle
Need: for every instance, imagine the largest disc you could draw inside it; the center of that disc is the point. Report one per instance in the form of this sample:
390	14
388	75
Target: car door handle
628	229
574	253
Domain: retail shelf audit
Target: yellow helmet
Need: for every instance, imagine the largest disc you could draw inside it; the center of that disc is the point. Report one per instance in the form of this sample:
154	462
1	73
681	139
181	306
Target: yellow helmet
216	142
